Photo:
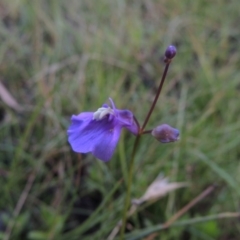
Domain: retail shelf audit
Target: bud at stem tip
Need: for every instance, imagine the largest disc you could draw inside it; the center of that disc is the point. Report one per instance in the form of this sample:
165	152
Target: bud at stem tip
170	52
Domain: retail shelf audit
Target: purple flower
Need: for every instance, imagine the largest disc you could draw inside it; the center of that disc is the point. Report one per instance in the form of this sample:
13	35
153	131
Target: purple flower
98	132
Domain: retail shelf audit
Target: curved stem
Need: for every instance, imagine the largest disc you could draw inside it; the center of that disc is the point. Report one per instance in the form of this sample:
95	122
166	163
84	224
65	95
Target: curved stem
136	121
157	95
128	194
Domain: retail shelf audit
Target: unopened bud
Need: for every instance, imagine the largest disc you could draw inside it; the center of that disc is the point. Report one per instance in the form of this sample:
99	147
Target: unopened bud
170	52
165	133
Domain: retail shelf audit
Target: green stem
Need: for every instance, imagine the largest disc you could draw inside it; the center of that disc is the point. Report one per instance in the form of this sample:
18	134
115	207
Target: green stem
129	184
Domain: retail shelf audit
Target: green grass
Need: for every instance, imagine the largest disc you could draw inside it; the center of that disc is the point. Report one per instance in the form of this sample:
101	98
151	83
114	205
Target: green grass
59	58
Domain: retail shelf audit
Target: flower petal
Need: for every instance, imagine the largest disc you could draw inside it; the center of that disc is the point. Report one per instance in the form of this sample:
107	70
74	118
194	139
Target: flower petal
76	137
126	119
99	137
105	147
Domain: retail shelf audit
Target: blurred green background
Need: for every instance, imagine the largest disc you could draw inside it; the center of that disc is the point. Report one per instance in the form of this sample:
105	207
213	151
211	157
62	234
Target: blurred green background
59	58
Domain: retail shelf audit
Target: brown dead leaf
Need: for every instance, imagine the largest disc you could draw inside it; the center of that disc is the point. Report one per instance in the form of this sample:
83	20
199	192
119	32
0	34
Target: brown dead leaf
159	188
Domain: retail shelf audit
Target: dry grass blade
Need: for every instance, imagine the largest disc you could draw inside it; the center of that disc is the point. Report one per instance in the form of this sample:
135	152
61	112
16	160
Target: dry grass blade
183	210
7	98
19	205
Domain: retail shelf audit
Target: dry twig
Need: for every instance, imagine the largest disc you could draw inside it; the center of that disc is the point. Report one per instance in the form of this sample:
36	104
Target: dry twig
184	209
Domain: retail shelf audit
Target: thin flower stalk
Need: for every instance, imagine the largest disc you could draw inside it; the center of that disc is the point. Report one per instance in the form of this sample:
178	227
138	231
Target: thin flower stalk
99	132
169	54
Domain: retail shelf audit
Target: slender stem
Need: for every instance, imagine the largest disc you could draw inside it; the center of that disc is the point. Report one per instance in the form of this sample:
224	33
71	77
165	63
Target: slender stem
136	121
157	95
127	198
147	131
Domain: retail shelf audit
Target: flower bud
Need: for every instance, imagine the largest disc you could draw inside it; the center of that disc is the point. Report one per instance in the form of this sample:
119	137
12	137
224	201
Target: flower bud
170	52
165	133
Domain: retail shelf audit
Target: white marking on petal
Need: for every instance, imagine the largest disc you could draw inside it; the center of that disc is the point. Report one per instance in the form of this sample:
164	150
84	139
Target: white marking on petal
102	112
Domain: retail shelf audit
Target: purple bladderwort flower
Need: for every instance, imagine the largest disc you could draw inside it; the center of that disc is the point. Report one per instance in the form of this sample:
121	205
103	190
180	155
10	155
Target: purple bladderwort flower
98	132
165	133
